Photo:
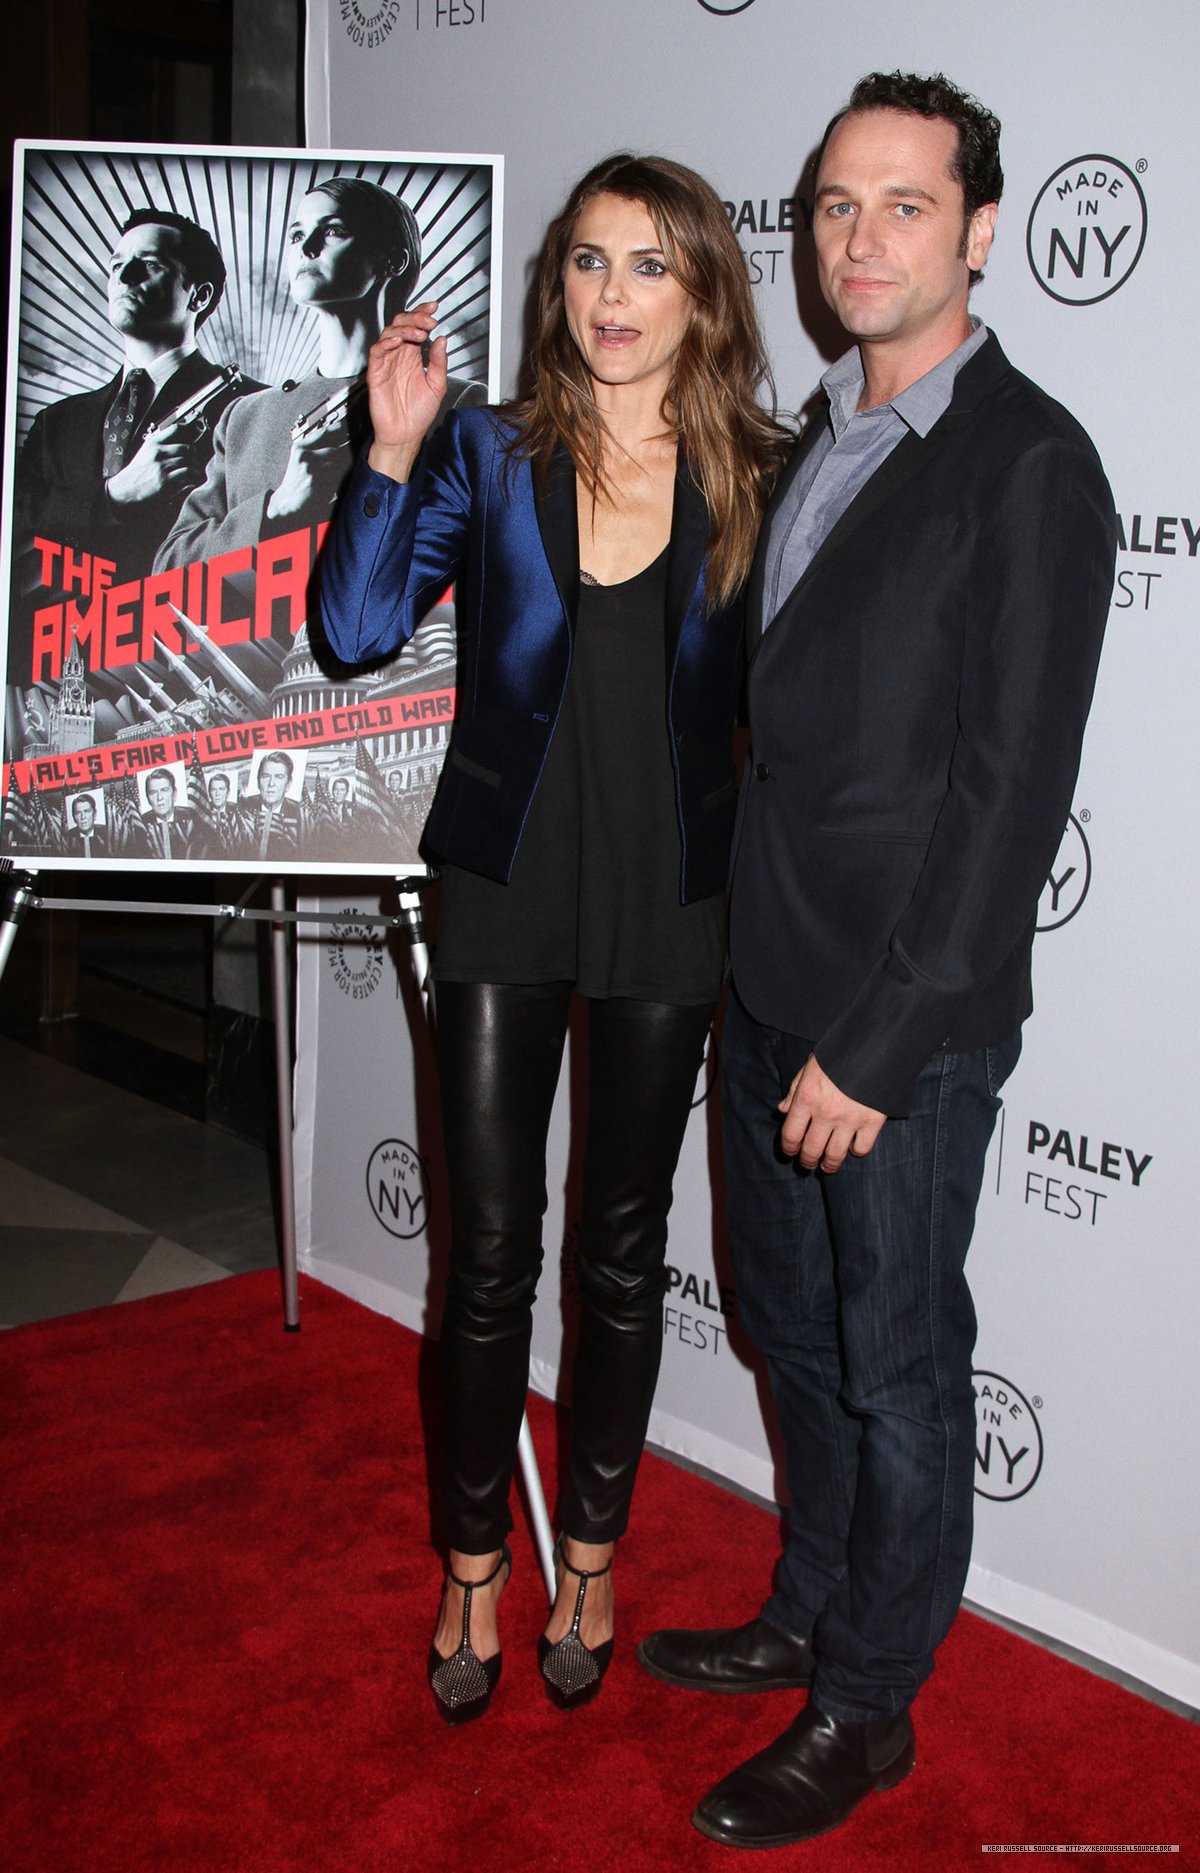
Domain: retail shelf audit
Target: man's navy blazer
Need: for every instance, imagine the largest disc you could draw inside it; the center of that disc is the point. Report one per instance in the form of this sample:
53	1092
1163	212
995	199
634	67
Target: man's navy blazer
474	515
917	709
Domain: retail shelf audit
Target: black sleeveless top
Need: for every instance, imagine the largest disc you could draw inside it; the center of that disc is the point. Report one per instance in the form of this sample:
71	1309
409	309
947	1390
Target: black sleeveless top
594	893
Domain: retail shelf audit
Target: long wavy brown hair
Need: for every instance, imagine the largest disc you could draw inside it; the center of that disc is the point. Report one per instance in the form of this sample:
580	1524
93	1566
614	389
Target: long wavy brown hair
714	401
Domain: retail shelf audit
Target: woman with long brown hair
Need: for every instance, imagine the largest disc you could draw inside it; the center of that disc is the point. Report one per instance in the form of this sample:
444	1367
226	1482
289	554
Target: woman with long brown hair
599	532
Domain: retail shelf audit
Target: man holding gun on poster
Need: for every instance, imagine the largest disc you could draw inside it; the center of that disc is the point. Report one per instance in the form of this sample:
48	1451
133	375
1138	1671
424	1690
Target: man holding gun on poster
107	471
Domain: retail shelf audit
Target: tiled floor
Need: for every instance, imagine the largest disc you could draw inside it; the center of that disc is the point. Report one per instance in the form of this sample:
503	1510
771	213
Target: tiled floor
107	1195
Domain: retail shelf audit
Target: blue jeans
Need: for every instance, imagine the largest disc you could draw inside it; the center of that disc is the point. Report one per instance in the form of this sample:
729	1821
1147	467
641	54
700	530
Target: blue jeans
853	1286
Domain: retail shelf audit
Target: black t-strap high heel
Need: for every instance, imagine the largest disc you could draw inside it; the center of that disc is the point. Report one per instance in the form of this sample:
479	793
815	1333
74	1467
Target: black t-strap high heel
463	1683
573	1672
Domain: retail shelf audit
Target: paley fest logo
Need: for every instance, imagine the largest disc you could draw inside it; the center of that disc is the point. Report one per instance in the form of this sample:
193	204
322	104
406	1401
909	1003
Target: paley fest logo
368	22
355	957
1008	1439
397	1188
1159	537
1064	1158
696	1310
1087	229
754	219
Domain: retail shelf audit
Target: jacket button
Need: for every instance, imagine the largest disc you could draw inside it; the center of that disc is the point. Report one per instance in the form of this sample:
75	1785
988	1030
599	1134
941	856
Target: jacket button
371	506
762	771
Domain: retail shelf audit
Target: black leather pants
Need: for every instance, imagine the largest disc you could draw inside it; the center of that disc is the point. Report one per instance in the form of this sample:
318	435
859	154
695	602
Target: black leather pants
500	1049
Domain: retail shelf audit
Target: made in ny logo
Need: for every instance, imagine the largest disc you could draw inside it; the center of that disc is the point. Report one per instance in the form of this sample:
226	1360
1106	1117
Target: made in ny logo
355	957
1008	1439
397	1188
1070	877
1087	230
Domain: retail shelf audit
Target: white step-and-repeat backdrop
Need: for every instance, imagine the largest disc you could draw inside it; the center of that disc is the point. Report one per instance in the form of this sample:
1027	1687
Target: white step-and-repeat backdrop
1084	1265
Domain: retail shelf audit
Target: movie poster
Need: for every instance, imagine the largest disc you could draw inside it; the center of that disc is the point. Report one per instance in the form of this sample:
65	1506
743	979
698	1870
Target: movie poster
188	332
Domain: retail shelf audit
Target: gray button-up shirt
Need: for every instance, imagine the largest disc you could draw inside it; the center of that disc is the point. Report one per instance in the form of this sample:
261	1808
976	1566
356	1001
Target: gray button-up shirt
842	460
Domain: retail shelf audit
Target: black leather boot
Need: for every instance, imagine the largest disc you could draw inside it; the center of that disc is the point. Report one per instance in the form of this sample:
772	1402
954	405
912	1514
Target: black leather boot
754	1657
807	1781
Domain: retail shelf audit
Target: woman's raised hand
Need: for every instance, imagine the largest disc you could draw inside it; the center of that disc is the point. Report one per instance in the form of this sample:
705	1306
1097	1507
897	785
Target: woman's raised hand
405	384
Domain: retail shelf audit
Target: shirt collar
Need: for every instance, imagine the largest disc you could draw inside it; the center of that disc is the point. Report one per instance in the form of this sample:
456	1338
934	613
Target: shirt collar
163	366
920	405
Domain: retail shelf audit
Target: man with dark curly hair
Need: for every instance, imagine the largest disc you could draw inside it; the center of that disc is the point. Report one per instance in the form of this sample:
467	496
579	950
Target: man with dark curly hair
108	470
926	613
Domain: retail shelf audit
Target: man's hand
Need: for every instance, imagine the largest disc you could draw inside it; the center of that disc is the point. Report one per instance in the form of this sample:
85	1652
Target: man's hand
163	460
823	1124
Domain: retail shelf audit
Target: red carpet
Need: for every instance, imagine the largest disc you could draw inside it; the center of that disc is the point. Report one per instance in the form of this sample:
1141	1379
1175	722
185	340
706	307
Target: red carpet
218	1587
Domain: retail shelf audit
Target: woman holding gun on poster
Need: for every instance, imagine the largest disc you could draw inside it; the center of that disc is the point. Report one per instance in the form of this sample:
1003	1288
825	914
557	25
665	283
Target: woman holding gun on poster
600	532
353	254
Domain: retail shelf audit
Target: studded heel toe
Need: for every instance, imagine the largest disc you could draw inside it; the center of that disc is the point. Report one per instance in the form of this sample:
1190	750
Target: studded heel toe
463	1683
571	1670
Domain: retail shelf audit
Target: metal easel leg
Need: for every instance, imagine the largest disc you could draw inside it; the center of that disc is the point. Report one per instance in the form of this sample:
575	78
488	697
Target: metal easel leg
282	1000
535	1501
18	895
413	915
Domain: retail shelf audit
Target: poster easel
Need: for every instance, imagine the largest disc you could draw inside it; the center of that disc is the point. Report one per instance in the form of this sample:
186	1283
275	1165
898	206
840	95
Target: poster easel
20	896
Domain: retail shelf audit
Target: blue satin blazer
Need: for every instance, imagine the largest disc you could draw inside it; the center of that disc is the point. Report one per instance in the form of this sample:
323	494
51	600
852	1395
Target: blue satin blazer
473	516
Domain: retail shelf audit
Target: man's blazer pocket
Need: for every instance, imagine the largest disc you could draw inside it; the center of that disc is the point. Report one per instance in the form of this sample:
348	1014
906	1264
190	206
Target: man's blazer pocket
475	769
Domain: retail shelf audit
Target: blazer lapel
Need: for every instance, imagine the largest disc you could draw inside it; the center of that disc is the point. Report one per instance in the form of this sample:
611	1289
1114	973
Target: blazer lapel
685	553
558	523
910	455
913	452
755	623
